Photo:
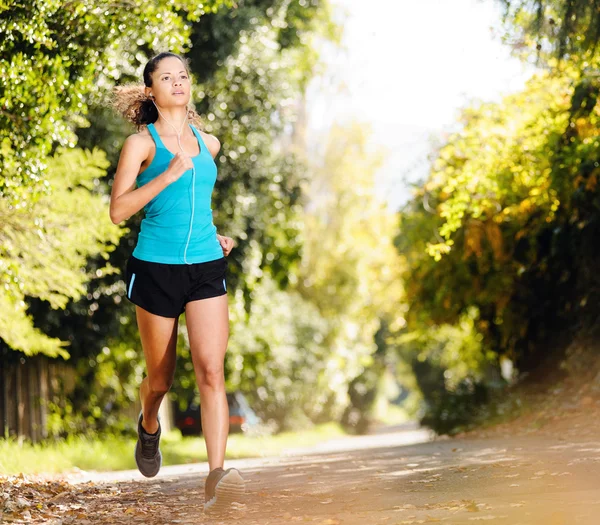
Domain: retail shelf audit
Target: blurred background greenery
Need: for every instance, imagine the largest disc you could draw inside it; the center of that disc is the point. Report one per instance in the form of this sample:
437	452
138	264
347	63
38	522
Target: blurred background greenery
340	307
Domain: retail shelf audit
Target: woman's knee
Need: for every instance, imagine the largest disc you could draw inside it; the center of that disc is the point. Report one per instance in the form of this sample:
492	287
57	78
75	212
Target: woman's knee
211	375
160	387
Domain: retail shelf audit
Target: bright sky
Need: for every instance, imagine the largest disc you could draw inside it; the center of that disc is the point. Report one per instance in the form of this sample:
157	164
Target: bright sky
407	68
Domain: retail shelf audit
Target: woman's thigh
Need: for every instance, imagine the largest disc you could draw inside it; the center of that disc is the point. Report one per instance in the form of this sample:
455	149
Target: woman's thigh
207	322
159	342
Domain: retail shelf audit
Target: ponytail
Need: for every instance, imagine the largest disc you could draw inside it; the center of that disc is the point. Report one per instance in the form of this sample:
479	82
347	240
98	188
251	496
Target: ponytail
134	105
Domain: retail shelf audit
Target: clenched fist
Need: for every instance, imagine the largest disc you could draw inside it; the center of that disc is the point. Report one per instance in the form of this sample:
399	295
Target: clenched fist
178	166
226	244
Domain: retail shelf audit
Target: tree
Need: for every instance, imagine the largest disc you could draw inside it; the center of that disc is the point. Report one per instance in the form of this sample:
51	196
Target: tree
45	245
350	269
502	230
562	27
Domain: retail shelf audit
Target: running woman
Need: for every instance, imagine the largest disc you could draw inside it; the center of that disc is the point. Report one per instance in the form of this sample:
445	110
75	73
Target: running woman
179	263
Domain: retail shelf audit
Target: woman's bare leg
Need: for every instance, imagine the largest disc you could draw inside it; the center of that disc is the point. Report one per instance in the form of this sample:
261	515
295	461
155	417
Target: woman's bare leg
159	341
207	322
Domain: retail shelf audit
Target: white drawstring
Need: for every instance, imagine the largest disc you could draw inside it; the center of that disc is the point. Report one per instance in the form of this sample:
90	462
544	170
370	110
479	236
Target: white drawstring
178	133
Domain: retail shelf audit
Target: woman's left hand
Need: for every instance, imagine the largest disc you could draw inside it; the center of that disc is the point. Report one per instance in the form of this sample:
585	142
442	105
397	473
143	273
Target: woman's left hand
226	244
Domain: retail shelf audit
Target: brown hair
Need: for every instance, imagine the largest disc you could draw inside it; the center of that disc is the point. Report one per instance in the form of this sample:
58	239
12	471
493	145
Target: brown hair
135	106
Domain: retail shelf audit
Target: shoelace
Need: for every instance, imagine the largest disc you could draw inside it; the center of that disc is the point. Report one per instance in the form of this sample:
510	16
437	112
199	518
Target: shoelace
149	445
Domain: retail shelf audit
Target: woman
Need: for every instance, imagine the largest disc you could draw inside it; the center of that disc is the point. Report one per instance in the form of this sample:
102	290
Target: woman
179	261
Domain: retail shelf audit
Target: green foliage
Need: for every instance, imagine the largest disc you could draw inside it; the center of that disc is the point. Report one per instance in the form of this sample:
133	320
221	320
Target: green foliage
500	186
250	104
55	56
350	269
452	371
91	401
296	25
44	246
455	349
505	227
277	357
562	27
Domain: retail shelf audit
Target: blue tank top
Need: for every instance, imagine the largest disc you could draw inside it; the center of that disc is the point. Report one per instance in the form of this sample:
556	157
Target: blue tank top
165	227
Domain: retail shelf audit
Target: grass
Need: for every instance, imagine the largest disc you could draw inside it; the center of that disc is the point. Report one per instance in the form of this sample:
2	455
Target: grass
116	453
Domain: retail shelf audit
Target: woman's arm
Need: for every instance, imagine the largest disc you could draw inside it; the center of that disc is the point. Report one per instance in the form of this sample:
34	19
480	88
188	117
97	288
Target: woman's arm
126	201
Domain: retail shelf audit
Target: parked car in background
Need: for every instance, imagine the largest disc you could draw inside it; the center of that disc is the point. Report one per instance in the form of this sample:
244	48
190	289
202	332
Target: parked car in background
241	416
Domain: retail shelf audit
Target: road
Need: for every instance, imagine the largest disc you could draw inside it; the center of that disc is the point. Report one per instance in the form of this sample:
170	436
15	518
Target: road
402	476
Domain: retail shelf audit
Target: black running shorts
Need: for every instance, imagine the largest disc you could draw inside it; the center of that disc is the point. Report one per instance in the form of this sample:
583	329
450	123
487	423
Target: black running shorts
165	289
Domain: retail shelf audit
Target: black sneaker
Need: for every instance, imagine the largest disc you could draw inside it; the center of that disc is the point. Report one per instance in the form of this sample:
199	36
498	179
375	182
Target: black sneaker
221	489
147	453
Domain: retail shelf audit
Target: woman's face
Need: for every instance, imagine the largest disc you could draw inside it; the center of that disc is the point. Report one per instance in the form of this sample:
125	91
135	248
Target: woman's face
170	83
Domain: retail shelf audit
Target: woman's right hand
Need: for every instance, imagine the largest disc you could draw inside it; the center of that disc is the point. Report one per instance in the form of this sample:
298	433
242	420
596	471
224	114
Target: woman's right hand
178	166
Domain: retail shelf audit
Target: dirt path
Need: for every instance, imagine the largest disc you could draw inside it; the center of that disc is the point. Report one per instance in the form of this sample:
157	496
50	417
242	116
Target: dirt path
531	480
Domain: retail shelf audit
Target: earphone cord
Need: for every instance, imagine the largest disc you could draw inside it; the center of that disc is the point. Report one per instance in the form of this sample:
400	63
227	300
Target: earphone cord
178	133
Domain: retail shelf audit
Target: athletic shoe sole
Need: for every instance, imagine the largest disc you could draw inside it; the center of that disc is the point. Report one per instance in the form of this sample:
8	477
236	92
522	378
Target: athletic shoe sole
229	490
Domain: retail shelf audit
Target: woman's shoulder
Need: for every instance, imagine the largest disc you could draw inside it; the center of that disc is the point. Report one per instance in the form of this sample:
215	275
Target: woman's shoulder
141	138
205	134
212	143
138	144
